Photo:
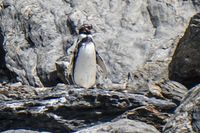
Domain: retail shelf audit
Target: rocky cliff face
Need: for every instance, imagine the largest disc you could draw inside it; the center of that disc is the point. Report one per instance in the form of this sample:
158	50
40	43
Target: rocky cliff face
127	34
185	66
136	39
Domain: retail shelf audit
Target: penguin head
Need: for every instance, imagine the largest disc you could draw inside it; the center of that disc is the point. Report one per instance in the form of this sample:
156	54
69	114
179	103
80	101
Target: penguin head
85	29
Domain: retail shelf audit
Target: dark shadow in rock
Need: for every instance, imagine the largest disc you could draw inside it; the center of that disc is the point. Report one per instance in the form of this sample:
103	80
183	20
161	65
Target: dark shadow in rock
39	122
196	4
53	81
85	117
184	66
148	116
55	78
2	52
5	72
72	27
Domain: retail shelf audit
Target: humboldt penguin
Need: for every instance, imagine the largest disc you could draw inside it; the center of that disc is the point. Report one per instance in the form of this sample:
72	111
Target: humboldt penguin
85	59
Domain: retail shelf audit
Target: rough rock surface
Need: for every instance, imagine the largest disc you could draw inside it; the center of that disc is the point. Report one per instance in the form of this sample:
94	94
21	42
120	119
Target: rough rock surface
185	65
123	125
66	109
5	74
186	117
155	74
22	131
136	40
127	34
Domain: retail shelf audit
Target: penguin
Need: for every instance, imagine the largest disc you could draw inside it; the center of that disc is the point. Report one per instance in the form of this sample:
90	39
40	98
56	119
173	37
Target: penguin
85	59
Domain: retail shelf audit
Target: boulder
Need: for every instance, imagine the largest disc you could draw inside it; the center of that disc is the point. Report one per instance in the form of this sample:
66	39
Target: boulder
23	131
65	109
155	75
184	66
33	39
123	126
5	75
186	117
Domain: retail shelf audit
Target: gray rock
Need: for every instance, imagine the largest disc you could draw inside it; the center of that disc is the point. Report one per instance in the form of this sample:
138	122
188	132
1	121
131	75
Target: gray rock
148	114
184	66
22	131
2	52
136	39
174	90
152	72
66	109
127	34
64	70
5	75
186	117
32	41
196	4
155	74
121	126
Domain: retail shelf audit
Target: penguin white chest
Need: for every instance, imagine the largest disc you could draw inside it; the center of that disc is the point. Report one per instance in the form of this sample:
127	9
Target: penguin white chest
85	65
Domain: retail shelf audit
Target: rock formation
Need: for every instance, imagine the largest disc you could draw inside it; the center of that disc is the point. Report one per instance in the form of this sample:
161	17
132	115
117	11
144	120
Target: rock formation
127	34
185	66
61	109
123	125
186	116
136	39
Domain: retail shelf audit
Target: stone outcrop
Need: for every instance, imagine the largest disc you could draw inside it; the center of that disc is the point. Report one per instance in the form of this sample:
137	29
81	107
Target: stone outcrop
185	65
61	109
127	34
186	116
123	125
22	131
136	39
155	74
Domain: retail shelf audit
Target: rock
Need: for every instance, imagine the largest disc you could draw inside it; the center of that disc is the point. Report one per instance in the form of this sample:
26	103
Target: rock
63	69
2	52
196	4
33	41
155	90
147	114
22	131
173	90
156	74
123	125
5	75
3	97
152	72
136	39
127	34
186	116
184	66
66	109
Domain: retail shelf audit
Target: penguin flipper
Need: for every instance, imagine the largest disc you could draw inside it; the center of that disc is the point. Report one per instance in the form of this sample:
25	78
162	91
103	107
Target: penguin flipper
101	64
